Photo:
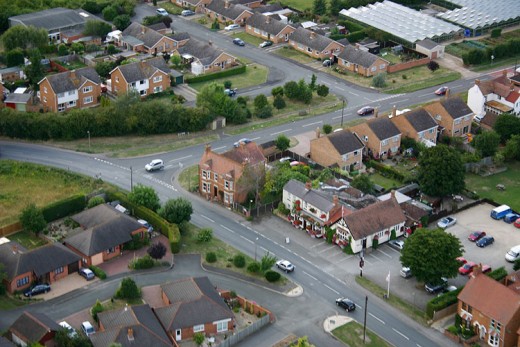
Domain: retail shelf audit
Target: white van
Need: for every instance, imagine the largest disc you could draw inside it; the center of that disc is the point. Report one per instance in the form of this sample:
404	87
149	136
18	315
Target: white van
513	254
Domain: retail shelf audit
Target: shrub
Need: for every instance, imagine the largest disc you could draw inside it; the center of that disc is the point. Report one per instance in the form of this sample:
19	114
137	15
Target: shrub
272	276
128	290
327	128
94	201
441	301
277	91
98	272
32	219
322	90
198	338
453	329
239	261
211	257
279	102
264	112
267	262
145	262
379	80
282	209
228	84
136	243
254	267
499	273
205	235
496	32
375	243
157	250
96	309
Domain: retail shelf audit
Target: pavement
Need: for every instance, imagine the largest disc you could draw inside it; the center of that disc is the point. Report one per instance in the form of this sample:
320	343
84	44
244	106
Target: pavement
332	322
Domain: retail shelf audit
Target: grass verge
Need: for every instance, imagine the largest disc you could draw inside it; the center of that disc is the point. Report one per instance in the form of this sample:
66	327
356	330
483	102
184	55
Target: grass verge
293	54
189	178
255	75
7	303
352	335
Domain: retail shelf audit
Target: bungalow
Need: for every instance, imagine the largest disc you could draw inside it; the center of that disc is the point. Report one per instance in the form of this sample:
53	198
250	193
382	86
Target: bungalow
453	115
314	45
199	6
380	137
145	77
361	62
340	149
140	38
227	13
33	327
267	28
417	124
204	57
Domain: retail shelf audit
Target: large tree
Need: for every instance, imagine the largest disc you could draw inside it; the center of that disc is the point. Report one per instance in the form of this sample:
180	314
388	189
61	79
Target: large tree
32	219
319	7
22	37
282	142
512	148
176	210
431	254
507	125
252	180
363	183
145	196
487	143
97	28
35	71
441	171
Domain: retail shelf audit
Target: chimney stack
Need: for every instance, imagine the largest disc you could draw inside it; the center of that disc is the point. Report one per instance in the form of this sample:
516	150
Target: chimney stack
308	185
313	35
318	132
477	270
208	148
392	194
394	111
130	334
72	74
210	43
226	4
15	249
447	95
477	82
504	73
268	19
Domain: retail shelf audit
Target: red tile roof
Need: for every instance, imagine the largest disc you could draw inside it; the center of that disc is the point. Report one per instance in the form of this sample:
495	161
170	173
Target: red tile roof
513	96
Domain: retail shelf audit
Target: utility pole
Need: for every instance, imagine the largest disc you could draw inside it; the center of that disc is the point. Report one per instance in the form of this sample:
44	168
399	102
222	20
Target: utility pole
131	180
342	111
365	320
88	133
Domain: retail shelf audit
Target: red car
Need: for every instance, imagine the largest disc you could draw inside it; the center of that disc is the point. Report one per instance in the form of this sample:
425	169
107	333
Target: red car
467	268
485	269
461	260
517	223
477	235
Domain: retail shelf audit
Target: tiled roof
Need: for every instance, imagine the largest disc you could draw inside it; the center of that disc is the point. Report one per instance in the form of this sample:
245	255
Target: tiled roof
158	26
33	326
491	298
427	43
72	80
143	70
358	56
5	342
18	98
310	196
345	142
310	39
413	211
180	36
205	52
383	128
148	36
231	163
266	23
419	119
232	11
269	8
456	107
513	97
244	2
54	18
489	119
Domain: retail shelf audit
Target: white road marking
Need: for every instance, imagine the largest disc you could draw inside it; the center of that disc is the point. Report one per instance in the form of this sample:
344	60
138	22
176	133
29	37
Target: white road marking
343	90
227	228
403	100
376	318
311	276
346	258
458	85
168	166
400	333
389	256
308	125
358	306
265	249
375	257
318	244
188	156
211	220
336	117
245	238
279	132
332	289
327	249
255	138
418	345
420	96
354	94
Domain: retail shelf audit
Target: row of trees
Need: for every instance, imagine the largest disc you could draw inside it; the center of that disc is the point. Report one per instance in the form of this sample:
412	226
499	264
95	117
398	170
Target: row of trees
477	56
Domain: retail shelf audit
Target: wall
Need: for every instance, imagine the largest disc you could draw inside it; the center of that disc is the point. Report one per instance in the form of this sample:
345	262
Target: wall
248	305
447	311
407	65
56	66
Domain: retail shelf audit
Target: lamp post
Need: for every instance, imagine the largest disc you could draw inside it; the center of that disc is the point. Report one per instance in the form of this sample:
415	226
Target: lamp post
250	203
342	111
88	133
255	248
131	180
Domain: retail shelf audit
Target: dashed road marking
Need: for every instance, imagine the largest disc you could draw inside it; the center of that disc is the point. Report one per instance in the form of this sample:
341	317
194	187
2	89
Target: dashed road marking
112	164
311	276
332	289
231	231
279	132
158	181
400	333
376	318
211	220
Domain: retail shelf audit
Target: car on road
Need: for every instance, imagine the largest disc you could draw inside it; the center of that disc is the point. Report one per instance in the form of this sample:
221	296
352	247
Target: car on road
187	13
245	141
239	42
436	288
87	273
162	12
446	222
405	272
232	27
156	164
345	303
230	92
476	235
397	244
265	44
441	90
467	268
37	289
87	328
285	265
70	330
365	111
485	241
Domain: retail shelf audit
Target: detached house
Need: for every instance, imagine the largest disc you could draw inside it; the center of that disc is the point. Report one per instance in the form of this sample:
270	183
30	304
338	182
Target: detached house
226	12
453	115
496	96
204	57
71	89
340	149
219	174
417	124
313	44
380	137
145	77
33	327
267	28
140	38
199	6
361	62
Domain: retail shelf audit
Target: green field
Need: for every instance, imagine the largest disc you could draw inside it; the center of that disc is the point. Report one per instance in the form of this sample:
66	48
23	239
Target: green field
352	335
255	74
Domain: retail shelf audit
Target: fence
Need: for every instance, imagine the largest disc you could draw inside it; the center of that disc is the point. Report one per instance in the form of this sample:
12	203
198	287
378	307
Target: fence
256	210
240	335
10	229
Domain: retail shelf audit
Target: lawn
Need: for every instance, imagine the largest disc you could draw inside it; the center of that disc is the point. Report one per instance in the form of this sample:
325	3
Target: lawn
352	335
253	40
300	5
255	74
486	186
385	182
189	178
293	54
27	239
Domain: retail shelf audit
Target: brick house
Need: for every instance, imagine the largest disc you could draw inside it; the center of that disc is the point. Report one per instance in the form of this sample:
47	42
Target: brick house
46	264
314	45
219	174
249	3
268	28
340	149
380	137
33	327
79	88
417	124
226	12
194	305
361	62
204	57
199	6
104	231
453	115
145	77
140	38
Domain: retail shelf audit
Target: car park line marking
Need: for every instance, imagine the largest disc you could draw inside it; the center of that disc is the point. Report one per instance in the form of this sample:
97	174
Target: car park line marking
314	278
227	228
332	289
394	250
368	262
279	132
377	318
318	244
389	256
211	220
346	258
327	249
188	156
308	125
400	333
376	257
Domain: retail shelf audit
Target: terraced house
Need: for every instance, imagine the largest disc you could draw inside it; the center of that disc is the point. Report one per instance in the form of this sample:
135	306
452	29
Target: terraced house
340	149
417	124
380	137
142	39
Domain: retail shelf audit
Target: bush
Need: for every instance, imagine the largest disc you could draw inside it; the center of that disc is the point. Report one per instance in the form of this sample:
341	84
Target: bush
264	112
224	73
272	276
379	80
496	32
282	209
279	102
32	219
322	90
128	290
64	208
239	261
96	309
145	262
157	250
204	235
211	257
442	301
94	201
327	128
136	243
386	170
98	272
277	91
453	329
254	267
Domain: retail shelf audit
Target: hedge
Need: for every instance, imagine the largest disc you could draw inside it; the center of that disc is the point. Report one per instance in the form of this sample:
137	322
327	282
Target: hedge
208	77
498	274
356	36
64	208
98	272
442	301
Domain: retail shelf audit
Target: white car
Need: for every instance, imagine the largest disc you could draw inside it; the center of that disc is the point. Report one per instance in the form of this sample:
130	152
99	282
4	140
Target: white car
162	12
232	27
156	164
397	244
70	330
446	222
145	224
285	265
87	328
245	141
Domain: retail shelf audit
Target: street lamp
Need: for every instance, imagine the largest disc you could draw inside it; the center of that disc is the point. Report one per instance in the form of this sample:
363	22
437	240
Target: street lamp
250	203
342	110
255	248
88	133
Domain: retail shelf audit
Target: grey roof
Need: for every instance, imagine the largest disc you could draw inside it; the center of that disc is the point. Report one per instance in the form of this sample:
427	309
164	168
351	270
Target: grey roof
265	23
148	36
72	80
54	18
427	43
158	26
143	70
11	69
133	41
33	326
232	11
358	56
244	2
345	142
476	14
420	119
269	8
311	196
204	52
383	128
18	98
5	342
310	39
17	260
456	107
180	36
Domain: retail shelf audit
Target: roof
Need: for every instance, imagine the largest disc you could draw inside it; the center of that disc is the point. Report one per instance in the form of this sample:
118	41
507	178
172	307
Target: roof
180	36
273	7
413	211
205	52
400	197
146	35
266	23
42	260
496	86
358	56
501	302
158	26
427	43
33	326
480	14
232	11
311	39
383	128
18	98
54	18
345	142
72	80
244	2
456	107
310	196
513	97
142	70
5	342
193	301
419	119
374	218
228	163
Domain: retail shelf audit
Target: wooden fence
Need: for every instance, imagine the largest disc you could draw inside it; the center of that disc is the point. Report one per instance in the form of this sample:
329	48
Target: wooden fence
10	229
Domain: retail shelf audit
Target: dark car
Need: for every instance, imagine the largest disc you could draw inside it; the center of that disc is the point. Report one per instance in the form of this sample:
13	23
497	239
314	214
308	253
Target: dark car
345	303
441	90
365	110
436	288
239	42
476	235
327	62
230	92
37	289
485	241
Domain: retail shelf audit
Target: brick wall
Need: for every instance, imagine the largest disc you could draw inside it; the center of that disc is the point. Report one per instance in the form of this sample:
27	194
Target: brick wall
249	305
10	229
56	66
407	65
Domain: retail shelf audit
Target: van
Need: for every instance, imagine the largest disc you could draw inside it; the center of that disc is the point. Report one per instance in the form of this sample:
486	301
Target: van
500	212
513	254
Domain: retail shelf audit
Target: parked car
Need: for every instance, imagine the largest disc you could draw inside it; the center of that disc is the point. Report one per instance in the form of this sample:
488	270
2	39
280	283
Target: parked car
476	235
230	92
517	223
327	62
485	241
397	244
457	198
467	268
450	289
162	12
511	217
441	90
285	265
186	13
265	44
145	223
37	289
485	269
87	273
289	159
436	288
156	164
345	303
513	254
405	272
232	27
70	330
461	260
239	42
245	141
87	328
365	111
446	222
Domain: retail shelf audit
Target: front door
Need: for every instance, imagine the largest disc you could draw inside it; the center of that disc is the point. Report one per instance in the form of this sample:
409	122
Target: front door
178	335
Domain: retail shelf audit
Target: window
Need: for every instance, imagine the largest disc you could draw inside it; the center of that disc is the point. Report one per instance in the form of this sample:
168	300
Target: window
356	152
44	99
88	100
395	149
373	68
157	89
384	142
344	157
228	198
71	92
421	134
221	326
111	250
431	131
167	46
157	79
61	107
396	138
198	328
309	49
326	52
45	90
87	89
257	31
117	79
228	185
457	121
61	95
71	103
494	339
84	261
215	177
382	67
22	281
206	187
466	118
58	270
142	92
142	82
205	174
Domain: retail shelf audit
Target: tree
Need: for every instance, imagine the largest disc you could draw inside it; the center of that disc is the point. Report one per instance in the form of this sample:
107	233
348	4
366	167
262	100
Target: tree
312	85
431	254
176	60
63	339
290	90
63	50
487	143
167	21
157	250
23	37
335	6
279	102
34	71
260	102
252	179
512	148
128	290
103	68
122	22
441	171
96	28
97	308
507	125
319	7
322	90
145	196
433	66
379	80
363	183
176	210
32	219
92	7
277	91
304	92
327	128
264	112
109	13
77	47
198	338
282	142
228	84
14	57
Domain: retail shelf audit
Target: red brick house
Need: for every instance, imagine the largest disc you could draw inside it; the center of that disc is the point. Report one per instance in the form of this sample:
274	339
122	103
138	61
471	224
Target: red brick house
340	149
380	137
226	12
144	77
313	44
361	62
417	124
268	28
453	115
33	327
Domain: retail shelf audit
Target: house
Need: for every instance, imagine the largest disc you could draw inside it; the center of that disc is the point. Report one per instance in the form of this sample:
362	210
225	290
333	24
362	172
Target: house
370	226
453	115
194	305
161	28
204	57
227	13
21	100
361	62
79	88
103	232
33	327
199	6
497	96
130	326
140	38
340	149
311	209
219	174
12	74
314	45
430	48
46	264
267	28
145	77
496	319
380	136
417	124
249	3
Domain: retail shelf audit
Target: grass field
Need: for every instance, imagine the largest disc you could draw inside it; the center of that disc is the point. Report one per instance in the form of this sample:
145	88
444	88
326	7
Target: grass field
352	335
301	5
255	74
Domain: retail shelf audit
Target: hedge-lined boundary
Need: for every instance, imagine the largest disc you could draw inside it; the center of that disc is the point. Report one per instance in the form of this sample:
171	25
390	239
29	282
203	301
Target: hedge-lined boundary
388	170
208	77
442	301
64	208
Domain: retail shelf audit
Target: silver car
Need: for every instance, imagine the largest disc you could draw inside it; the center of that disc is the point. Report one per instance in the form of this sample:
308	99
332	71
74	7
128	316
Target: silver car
446	222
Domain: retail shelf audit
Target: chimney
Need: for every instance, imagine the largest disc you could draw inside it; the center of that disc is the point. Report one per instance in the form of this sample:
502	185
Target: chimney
477	270
210	43
447	95
335	200
226	4
313	35
394	111
208	148
308	185
477	82
15	249
376	112
143	29
392	194
72	74
318	132
130	334
504	73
